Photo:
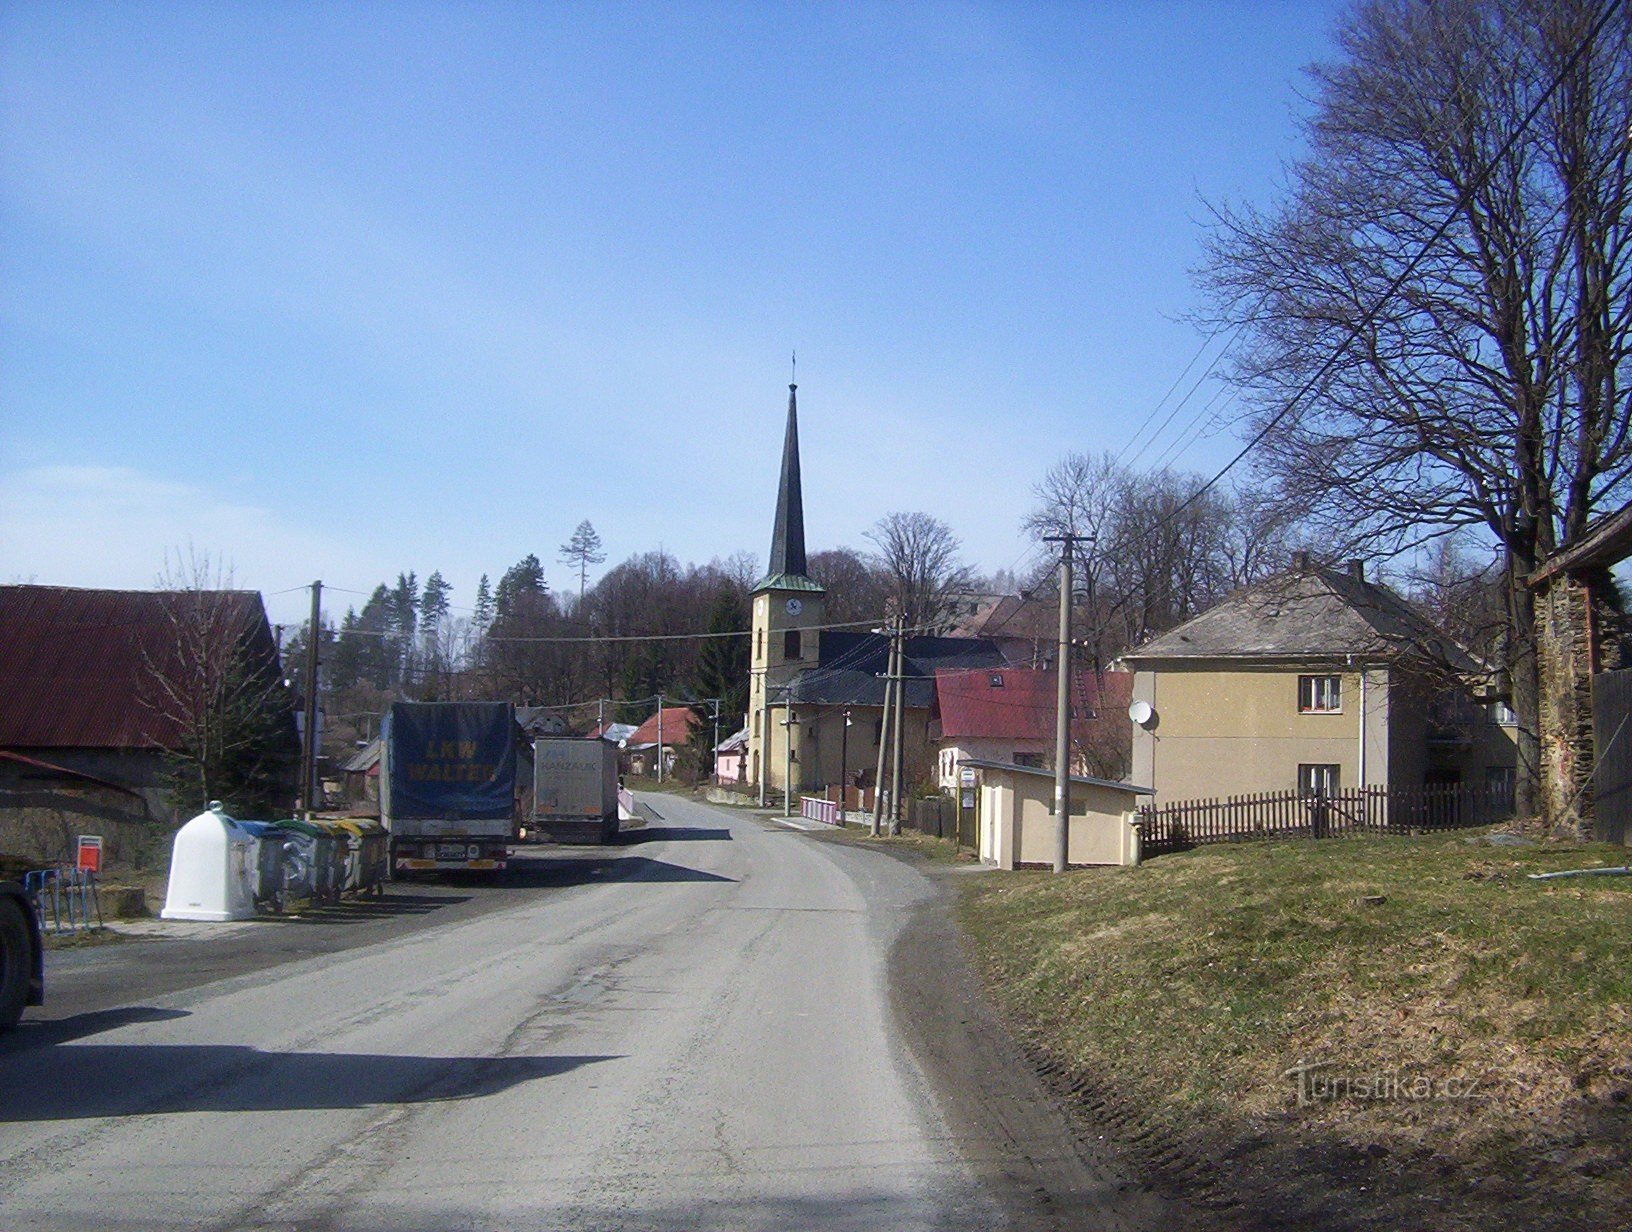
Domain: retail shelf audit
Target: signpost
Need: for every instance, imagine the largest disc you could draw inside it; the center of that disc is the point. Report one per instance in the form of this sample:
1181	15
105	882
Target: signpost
88	857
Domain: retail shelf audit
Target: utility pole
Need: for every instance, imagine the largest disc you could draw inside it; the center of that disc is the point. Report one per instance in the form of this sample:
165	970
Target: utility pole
714	749
1062	708
844	765
600	716
308	743
883	733
900	727
787	762
660	737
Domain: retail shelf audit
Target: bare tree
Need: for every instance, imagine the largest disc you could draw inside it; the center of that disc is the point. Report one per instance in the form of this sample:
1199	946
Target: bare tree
1488	390
857	589
214	694
920	556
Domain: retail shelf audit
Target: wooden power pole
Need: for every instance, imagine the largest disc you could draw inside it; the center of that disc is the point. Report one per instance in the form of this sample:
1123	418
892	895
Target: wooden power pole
308	742
1062	709
883	733
898	673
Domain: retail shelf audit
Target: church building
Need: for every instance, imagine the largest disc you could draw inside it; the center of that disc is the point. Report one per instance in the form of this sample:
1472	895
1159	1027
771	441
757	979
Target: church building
816	695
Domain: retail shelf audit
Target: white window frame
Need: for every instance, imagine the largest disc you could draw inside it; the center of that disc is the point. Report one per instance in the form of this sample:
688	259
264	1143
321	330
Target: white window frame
1320	694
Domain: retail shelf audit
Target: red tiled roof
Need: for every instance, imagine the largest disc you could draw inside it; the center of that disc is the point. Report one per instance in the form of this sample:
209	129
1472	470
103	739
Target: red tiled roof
678	722
75	664
1017	703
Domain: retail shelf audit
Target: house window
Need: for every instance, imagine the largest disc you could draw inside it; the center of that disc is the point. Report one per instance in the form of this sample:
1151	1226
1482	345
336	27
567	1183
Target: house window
1320	694
996	680
790	644
1499	786
1317	780
1502	715
1034	760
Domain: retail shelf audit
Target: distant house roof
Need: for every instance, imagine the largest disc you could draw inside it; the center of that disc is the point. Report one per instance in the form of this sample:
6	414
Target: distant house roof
540	720
1011	617
1308	613
616	733
849	667
364	759
1018	703
76	665
678	722
736	742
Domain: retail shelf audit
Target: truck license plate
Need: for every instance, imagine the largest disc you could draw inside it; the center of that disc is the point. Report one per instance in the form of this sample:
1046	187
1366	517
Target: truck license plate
450	851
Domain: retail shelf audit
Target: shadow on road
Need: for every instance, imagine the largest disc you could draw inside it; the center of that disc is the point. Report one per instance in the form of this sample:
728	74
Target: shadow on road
35	1034
111	1080
362	910
553	871
676	834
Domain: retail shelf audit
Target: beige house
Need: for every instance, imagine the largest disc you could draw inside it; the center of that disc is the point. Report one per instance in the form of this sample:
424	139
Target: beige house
1313	680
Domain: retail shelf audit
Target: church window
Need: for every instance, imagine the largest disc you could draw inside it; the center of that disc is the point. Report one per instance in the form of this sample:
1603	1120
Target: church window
790	644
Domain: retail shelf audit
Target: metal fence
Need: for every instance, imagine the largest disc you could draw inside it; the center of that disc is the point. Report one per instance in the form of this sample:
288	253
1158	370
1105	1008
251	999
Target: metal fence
814	808
1291	814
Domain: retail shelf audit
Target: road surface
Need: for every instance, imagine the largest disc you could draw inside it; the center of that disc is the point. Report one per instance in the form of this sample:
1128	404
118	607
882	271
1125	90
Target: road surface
693	1031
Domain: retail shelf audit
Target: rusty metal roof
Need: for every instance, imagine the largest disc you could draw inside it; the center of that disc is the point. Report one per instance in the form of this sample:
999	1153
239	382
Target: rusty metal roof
76	665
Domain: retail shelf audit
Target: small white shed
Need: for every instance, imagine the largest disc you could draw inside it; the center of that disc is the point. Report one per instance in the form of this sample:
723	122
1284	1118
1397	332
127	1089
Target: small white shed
212	870
1015	817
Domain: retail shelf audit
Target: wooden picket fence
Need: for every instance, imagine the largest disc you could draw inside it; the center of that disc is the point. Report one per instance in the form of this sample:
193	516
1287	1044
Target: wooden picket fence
1291	814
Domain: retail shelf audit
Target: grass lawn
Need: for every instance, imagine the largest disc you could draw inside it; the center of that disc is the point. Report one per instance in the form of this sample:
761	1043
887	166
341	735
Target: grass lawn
1452	1016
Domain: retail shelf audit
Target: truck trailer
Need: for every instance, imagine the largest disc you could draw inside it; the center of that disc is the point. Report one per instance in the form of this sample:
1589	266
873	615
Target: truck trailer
448	783
575	791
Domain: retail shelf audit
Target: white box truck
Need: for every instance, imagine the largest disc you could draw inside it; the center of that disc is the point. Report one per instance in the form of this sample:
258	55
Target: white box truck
575	790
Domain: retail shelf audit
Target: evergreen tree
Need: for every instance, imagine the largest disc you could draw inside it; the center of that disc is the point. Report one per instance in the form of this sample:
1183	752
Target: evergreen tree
582	551
404	609
722	662
482	618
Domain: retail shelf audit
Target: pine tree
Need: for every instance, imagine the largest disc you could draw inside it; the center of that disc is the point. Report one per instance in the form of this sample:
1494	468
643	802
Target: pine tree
722	662
582	550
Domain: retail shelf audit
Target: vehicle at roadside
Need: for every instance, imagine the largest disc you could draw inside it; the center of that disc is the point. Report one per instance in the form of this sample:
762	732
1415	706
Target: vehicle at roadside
448	785
22	947
575	791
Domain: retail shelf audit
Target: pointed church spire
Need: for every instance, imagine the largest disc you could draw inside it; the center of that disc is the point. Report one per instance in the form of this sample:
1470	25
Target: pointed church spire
788	539
787	564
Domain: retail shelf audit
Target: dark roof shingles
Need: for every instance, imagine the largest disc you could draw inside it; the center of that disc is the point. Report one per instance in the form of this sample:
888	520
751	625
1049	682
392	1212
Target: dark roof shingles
73	663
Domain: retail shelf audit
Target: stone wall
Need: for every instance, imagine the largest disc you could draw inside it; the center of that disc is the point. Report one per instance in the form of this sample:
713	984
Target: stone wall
1576	639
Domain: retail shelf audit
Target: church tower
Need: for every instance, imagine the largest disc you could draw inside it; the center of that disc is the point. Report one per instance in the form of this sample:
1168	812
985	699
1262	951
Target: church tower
788	611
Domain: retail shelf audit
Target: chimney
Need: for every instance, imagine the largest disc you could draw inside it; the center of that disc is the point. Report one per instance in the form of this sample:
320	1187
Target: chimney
1357	570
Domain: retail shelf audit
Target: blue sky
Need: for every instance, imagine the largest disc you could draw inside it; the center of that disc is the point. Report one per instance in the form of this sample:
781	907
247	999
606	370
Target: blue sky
337	290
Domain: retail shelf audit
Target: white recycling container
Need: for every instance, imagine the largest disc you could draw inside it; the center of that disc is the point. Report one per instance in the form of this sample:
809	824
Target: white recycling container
212	870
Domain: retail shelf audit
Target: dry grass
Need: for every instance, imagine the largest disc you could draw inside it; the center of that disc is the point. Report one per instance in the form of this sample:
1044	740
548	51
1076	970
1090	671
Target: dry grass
1194	984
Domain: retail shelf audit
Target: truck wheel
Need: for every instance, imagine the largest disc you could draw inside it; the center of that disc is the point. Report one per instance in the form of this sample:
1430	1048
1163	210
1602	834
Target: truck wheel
16	963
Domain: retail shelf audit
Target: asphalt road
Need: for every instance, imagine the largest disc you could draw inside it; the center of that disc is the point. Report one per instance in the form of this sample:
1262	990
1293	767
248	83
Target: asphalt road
727	1024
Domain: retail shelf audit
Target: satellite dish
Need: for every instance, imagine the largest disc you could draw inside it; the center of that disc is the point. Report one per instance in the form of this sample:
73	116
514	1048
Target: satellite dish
1141	712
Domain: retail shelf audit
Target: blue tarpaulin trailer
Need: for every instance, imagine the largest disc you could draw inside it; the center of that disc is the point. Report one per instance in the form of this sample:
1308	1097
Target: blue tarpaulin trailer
448	784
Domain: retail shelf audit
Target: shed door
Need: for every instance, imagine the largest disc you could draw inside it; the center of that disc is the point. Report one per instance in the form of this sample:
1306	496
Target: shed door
988	822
